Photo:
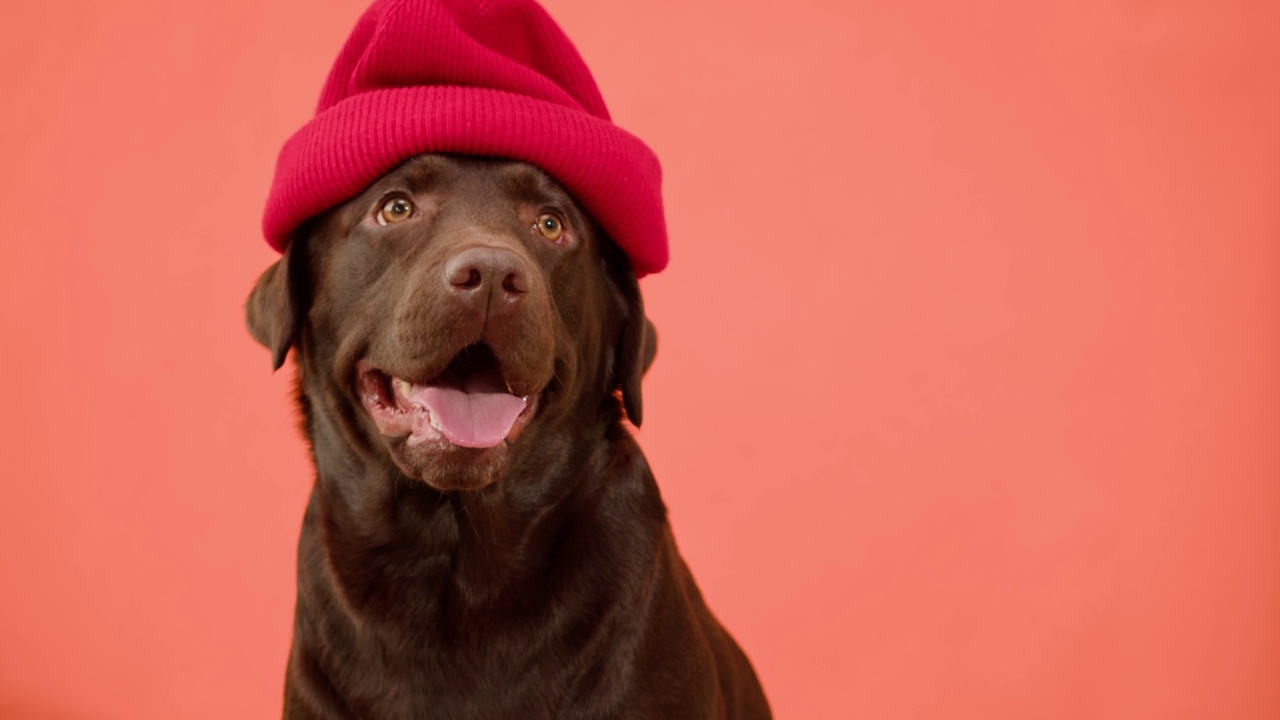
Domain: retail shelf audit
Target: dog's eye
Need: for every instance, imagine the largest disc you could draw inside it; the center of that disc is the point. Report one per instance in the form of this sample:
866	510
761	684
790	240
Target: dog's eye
550	226
396	210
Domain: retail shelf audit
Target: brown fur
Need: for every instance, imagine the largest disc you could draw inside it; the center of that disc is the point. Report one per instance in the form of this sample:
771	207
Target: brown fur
535	579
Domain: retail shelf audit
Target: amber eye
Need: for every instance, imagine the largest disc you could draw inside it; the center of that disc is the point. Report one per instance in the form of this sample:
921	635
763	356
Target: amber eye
396	210
550	226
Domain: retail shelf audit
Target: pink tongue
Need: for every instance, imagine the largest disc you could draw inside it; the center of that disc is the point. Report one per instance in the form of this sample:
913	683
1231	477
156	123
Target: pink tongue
476	420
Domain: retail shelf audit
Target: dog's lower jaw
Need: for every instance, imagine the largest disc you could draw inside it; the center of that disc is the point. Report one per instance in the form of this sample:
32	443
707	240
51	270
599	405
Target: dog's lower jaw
450	468
393	416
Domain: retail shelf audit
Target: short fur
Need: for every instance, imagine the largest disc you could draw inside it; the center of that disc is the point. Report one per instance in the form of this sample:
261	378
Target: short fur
535	579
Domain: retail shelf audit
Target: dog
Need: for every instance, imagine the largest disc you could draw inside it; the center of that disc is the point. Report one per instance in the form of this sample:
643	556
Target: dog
484	538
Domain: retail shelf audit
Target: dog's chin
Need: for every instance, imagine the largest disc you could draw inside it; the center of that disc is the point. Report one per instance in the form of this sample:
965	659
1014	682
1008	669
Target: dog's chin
448	467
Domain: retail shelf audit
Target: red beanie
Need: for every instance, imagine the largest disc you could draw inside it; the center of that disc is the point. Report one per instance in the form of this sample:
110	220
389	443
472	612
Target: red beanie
474	77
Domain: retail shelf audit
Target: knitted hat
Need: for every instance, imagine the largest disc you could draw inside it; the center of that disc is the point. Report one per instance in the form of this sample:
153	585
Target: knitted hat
475	77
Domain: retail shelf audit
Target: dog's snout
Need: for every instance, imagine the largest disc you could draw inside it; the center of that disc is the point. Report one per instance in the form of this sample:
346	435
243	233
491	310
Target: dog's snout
488	278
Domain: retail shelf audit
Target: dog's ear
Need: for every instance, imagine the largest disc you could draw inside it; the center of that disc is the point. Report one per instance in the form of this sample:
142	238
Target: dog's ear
638	343
278	302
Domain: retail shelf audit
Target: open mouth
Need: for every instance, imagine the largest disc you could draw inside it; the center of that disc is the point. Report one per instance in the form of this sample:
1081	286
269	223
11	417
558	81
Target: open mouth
470	404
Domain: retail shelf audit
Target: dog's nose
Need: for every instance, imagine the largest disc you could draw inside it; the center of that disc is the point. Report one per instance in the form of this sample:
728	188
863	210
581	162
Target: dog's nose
491	279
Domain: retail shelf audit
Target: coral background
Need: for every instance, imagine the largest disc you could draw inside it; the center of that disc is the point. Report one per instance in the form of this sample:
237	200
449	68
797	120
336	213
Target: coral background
968	397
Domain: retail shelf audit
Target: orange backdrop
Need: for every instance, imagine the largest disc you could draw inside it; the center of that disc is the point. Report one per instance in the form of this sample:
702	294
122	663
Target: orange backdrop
968	399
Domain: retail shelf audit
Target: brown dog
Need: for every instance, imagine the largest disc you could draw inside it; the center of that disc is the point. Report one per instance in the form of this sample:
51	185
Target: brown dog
484	538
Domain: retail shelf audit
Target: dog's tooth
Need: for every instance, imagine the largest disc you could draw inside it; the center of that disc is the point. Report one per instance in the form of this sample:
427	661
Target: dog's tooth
435	423
403	386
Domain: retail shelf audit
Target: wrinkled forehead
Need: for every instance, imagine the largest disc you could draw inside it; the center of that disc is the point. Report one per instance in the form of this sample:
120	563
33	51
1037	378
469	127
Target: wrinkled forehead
482	180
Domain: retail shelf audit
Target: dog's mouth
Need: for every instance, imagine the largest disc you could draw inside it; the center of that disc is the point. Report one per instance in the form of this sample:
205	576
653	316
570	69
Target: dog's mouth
470	404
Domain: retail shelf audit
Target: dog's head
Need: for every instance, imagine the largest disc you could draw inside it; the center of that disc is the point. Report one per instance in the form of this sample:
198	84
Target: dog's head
457	313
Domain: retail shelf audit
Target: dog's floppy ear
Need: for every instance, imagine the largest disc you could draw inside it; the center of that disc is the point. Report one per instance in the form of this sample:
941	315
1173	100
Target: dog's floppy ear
278	302
638	343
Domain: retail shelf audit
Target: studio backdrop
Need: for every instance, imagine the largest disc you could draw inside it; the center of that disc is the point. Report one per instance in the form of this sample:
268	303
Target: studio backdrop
967	398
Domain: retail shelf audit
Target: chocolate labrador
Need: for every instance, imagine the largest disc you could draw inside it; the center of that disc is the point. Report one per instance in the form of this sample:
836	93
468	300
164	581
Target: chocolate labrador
484	538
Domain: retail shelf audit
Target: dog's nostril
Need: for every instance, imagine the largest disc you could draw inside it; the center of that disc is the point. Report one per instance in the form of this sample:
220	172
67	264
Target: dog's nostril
466	278
464	273
515	282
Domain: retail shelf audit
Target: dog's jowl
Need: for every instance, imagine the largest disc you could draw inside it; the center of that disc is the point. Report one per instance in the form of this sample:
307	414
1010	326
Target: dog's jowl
462	230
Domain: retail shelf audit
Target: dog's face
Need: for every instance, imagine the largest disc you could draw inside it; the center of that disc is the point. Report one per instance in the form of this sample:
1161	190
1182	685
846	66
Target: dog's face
457	317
